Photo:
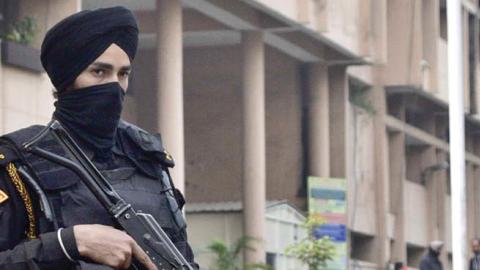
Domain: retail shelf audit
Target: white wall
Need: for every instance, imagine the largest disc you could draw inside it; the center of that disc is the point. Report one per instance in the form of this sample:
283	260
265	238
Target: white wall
283	227
203	228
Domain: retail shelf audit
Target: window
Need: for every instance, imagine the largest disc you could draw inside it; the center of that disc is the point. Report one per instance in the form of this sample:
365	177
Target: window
271	259
414	255
472	61
443	22
363	247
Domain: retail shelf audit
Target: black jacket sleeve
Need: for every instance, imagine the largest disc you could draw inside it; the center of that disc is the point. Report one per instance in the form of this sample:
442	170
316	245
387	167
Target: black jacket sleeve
18	253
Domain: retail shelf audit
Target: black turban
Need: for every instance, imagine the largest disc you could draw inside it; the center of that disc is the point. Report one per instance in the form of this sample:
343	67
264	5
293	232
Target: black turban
75	42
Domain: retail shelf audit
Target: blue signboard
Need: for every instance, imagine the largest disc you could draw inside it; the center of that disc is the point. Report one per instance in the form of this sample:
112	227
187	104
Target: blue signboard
327	198
336	232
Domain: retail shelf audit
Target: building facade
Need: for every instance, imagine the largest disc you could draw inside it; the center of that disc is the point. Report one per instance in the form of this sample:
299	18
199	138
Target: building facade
253	96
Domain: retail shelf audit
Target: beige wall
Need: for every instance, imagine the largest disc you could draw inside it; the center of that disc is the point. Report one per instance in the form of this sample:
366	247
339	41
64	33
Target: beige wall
284	128
310	13
430	34
344	20
288	8
442	91
142	91
26	98
404	43
213	125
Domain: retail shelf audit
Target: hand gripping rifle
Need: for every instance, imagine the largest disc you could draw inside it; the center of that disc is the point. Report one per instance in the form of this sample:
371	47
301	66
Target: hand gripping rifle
142	227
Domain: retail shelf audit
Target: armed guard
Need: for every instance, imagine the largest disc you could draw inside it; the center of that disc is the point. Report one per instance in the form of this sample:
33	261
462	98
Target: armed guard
48	217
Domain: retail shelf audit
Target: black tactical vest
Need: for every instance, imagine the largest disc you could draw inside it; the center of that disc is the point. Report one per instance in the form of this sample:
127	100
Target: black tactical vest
139	174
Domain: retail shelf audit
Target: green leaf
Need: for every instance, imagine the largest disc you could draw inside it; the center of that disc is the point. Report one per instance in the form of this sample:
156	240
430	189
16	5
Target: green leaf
311	251
227	258
22	31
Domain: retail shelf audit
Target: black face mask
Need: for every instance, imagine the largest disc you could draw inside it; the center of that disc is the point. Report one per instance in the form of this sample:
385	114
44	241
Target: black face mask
92	115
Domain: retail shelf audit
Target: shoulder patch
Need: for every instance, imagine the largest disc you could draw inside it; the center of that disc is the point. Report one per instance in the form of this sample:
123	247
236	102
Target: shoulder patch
3	196
7	155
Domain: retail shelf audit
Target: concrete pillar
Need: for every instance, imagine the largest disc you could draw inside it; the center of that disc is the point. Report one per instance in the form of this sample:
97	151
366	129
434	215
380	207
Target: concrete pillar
429	158
476	198
431	186
441	207
397	174
254	170
469	177
476	186
170	84
381	157
338	118
397	187
318	125
466	62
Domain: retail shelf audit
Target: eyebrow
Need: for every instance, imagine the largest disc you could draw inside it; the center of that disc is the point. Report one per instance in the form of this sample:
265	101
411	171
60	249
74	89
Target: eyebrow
109	66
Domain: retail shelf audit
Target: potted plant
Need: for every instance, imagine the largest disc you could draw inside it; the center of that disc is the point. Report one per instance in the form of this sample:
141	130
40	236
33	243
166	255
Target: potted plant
227	258
15	46
311	251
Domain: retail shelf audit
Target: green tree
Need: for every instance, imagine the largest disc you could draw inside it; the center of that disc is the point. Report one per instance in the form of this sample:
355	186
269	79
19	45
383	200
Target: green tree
311	251
227	258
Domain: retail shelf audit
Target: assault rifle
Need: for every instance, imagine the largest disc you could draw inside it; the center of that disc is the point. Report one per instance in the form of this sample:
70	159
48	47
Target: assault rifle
142	227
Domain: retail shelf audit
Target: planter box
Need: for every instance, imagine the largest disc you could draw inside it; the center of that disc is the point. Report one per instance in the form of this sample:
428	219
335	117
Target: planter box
21	56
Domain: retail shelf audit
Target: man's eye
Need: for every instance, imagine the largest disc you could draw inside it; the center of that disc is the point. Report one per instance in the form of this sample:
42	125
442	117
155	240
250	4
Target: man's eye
98	72
124	73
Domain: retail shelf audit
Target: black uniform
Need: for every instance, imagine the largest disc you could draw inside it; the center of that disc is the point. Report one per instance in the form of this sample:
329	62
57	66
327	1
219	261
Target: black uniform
475	262
430	261
138	171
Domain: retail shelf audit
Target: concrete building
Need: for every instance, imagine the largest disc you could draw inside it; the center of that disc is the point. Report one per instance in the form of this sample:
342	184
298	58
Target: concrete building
253	96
